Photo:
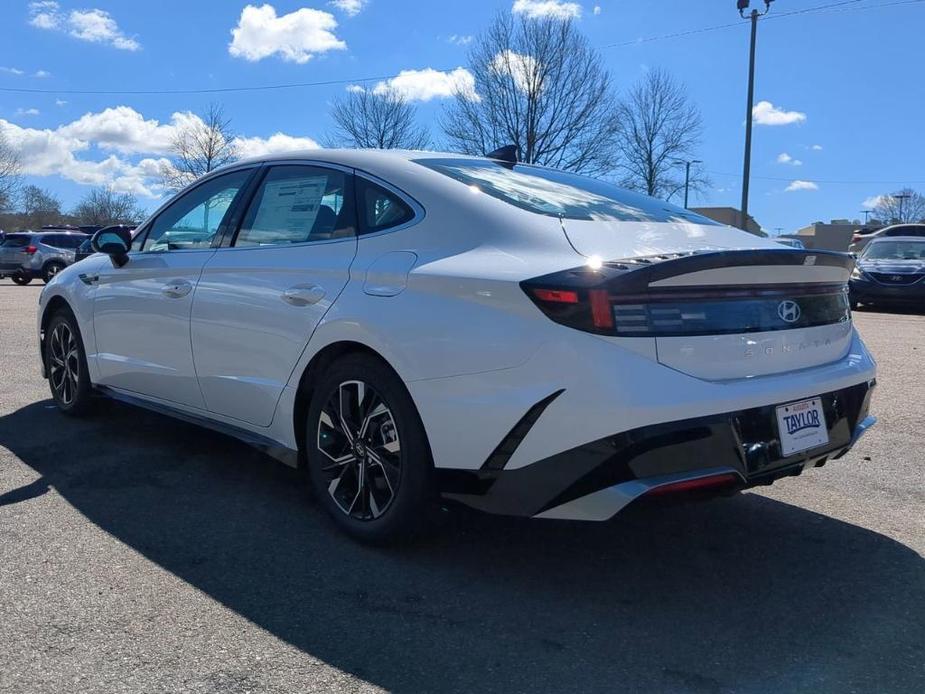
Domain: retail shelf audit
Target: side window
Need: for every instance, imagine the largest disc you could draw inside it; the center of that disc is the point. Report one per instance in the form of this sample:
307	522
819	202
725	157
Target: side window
298	204
192	221
380	209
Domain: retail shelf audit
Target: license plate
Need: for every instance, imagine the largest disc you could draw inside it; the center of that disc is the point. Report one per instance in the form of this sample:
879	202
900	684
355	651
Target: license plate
801	426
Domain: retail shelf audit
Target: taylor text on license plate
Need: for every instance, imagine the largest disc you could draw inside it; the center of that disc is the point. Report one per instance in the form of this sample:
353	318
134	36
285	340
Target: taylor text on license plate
801	426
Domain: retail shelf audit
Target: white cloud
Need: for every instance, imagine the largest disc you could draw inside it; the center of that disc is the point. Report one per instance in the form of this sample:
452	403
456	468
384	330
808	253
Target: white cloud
817	148
12	71
42	74
27	112
297	37
125	130
60	102
125	134
427	84
521	67
597	10
801	185
874	201
547	8
458	40
349	7
275	144
93	25
784	158
766	113
356	88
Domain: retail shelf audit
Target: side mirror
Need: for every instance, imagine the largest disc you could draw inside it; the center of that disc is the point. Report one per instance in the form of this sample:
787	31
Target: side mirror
115	243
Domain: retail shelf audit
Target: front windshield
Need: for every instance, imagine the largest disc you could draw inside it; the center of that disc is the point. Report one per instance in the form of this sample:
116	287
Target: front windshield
895	250
558	193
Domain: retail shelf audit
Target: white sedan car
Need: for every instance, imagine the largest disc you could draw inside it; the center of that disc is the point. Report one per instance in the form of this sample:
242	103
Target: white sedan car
416	326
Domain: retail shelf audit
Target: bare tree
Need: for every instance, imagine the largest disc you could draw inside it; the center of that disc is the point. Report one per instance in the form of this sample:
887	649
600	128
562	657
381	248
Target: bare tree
659	129
38	207
10	169
902	206
380	119
103	206
200	147
541	87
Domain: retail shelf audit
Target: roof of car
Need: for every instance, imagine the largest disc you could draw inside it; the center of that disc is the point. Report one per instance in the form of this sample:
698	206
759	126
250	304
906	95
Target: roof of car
885	239
354	157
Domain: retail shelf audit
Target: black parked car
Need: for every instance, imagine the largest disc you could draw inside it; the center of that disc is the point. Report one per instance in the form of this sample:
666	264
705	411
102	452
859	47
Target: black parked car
85	250
890	270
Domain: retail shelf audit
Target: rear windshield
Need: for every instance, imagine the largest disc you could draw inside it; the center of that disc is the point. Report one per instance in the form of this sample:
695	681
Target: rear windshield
16	241
63	240
895	250
914	230
559	194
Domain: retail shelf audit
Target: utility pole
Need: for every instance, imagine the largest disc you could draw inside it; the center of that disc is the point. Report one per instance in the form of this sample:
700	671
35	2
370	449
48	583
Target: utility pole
901	197
866	214
742	6
687	175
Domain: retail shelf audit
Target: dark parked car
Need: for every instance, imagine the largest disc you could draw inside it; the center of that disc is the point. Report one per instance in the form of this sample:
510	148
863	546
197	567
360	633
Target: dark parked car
890	270
85	250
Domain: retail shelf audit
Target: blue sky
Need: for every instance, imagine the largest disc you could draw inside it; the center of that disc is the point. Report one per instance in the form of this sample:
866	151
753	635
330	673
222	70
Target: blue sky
843	85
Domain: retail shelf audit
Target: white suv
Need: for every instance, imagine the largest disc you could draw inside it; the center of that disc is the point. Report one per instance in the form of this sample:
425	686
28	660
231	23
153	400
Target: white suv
410	326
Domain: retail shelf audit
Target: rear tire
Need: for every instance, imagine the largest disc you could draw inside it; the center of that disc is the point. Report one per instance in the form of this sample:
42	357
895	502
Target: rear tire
66	365
52	269
21	279
367	454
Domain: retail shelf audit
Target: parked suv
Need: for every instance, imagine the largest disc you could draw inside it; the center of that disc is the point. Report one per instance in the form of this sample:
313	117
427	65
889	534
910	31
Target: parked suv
25	256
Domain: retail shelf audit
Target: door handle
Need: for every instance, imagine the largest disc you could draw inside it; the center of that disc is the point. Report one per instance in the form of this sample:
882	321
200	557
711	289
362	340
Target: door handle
303	294
177	289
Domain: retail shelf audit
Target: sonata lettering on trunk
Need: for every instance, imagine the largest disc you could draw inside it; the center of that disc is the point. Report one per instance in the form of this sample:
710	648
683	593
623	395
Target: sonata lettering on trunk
785	348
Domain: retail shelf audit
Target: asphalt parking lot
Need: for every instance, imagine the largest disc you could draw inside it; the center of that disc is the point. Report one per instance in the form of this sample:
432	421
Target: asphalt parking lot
141	554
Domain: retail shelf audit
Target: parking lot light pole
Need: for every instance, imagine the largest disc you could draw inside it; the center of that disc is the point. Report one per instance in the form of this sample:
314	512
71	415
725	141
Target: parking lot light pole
901	197
742	6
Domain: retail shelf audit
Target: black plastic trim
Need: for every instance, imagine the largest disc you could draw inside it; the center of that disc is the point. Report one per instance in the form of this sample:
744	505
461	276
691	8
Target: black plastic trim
505	449
746	441
262	443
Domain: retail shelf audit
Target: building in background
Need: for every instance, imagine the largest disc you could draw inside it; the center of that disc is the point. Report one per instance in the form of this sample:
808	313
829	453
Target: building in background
834	235
730	216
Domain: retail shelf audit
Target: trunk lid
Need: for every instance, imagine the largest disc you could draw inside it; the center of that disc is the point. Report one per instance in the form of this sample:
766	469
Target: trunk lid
719	306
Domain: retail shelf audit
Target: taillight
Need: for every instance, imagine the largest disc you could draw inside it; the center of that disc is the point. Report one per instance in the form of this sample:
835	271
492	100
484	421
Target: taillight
855	238
698	484
30	250
620	300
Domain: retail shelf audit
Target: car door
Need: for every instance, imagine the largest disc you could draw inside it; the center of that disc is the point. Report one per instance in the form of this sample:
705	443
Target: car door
141	311
260	298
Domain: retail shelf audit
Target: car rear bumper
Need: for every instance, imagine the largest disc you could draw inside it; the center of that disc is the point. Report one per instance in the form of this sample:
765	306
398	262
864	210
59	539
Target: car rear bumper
724	452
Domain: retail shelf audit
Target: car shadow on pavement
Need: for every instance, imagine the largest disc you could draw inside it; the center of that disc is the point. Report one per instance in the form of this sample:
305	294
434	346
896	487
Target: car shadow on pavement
745	593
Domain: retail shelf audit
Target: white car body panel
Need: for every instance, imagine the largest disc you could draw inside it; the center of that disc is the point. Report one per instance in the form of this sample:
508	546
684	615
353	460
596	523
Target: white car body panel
440	300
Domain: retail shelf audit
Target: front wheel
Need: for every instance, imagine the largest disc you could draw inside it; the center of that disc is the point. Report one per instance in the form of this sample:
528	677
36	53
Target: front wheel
66	365
50	270
21	279
368	459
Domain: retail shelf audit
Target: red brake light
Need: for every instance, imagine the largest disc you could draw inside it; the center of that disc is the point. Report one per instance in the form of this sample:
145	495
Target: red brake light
601	310
559	296
855	238
722	480
30	249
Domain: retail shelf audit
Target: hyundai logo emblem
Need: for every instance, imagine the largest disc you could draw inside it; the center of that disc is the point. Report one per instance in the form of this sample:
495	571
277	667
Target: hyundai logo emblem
789	311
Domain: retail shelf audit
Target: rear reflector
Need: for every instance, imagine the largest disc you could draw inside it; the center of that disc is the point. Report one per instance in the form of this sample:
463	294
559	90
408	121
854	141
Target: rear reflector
30	250
556	296
700	483
601	310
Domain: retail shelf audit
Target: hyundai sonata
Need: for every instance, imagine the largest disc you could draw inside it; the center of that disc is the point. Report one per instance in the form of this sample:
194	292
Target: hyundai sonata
411	326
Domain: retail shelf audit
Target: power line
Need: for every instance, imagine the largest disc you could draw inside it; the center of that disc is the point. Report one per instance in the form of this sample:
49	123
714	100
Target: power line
818	180
844	5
